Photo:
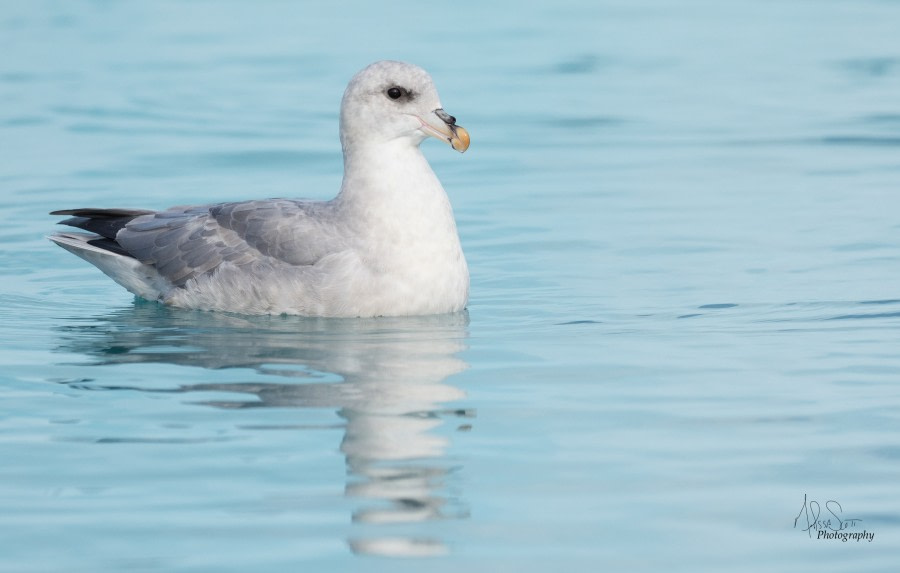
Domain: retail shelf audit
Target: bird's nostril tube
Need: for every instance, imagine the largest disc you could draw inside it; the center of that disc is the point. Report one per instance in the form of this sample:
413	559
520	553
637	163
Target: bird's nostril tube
445	117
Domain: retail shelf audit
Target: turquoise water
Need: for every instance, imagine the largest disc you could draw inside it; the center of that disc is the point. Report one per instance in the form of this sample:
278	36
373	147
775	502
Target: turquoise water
681	223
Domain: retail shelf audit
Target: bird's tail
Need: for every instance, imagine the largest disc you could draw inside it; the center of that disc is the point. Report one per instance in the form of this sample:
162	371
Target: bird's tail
140	279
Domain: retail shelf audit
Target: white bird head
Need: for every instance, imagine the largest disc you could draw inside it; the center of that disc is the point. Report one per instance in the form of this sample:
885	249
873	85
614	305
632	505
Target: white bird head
391	100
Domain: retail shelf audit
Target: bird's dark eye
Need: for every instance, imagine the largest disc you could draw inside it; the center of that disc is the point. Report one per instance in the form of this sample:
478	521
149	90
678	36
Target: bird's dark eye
395	92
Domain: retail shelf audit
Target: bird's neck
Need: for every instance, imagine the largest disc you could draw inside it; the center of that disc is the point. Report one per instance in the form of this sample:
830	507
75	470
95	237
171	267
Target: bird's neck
391	189
390	175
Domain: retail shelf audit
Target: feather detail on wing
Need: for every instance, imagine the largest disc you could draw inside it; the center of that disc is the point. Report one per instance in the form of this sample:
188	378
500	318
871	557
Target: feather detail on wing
186	242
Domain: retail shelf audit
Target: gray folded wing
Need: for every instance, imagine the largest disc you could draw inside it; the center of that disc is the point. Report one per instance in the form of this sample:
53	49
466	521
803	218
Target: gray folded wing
186	242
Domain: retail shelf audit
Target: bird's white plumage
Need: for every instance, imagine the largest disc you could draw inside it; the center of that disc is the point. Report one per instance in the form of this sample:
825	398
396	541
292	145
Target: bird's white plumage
387	245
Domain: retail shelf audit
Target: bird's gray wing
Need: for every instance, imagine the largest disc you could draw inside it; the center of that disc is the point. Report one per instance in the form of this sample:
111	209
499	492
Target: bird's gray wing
293	232
185	242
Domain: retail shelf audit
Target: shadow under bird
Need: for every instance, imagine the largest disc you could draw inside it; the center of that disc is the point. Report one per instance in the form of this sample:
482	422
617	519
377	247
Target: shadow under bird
386	245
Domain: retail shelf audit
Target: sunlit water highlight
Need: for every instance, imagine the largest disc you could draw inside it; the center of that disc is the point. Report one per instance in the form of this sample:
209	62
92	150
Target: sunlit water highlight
681	221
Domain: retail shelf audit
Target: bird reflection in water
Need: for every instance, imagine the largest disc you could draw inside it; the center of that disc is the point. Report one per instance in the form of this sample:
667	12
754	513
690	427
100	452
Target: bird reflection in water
384	377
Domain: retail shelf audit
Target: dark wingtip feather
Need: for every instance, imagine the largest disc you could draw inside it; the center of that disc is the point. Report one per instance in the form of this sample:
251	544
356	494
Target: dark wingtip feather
105	222
94	213
110	245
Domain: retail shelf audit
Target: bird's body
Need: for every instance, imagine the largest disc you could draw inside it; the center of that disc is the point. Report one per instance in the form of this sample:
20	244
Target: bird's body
387	245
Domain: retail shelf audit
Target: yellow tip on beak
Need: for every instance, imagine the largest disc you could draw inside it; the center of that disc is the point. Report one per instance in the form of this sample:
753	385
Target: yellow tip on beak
447	131
460	139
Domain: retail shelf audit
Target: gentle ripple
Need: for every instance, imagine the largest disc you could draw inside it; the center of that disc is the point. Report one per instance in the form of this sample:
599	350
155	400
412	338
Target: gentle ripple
681	225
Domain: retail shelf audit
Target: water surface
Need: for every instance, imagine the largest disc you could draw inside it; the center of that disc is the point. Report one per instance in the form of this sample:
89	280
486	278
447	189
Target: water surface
681	226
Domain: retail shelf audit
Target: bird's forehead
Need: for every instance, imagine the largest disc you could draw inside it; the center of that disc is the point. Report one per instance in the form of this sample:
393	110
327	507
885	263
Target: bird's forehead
380	74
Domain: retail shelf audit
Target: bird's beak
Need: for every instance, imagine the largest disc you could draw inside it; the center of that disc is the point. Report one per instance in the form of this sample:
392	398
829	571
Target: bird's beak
442	125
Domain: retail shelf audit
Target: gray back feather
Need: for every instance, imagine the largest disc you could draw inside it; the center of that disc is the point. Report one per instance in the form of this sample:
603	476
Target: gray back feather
186	242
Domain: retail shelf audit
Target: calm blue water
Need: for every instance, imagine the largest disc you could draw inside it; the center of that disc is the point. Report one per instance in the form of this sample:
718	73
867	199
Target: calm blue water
682	225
